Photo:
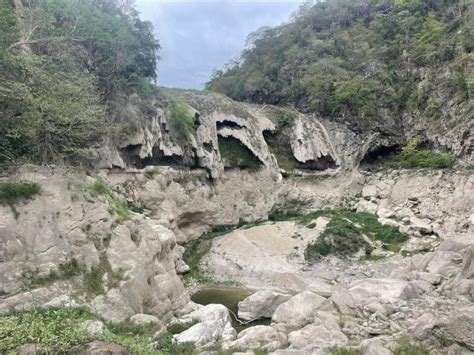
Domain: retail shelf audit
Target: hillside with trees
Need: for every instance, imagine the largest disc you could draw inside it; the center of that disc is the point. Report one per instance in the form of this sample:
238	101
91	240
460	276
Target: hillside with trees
63	67
370	63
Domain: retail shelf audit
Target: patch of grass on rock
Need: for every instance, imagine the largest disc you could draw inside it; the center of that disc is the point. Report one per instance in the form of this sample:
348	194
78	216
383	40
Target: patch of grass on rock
11	193
120	208
56	329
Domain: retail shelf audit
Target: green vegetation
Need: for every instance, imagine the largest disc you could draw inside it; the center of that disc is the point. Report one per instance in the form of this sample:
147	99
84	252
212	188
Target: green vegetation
358	60
344	351
12	193
346	232
83	56
93	282
196	249
181	121
235	154
56	329
405	347
411	157
65	271
120	208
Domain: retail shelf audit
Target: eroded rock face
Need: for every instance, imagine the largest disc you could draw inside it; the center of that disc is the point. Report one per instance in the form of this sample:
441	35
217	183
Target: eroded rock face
311	144
68	225
372	295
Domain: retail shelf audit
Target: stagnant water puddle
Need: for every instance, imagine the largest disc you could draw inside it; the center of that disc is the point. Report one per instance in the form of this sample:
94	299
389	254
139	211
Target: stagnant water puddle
229	297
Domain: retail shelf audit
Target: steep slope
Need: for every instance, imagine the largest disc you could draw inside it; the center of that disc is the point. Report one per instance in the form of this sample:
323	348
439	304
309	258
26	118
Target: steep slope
399	68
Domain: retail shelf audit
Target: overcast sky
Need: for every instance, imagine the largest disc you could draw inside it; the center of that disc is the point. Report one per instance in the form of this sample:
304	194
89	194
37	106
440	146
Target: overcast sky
198	36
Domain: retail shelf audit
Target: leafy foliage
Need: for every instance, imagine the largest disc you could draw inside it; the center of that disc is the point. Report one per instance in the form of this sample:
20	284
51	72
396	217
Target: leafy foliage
181	121
12	193
411	158
405	347
357	61
345	233
80	57
53	328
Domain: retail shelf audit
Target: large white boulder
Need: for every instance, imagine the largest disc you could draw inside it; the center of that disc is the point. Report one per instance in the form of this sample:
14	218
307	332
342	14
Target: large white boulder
215	327
300	310
261	304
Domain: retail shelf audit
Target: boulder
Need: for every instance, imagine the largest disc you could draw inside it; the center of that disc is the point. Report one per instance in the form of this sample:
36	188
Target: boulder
300	310
372	295
366	206
374	347
323	333
459	327
215	327
261	304
98	347
369	191
259	336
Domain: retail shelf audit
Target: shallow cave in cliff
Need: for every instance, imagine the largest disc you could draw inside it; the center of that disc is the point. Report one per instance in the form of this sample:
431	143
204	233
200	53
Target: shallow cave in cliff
227	124
379	155
234	154
279	144
130	155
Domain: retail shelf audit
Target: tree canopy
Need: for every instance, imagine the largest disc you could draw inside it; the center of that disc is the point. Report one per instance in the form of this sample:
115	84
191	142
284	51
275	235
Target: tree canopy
357	60
61	65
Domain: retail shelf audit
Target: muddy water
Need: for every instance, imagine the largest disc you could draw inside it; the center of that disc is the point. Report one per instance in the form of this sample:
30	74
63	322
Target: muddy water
228	297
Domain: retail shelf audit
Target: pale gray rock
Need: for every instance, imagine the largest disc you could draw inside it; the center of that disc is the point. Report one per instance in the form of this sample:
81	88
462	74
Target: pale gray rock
372	295
310	142
374	347
300	310
323	333
144	319
261	304
214	327
259	336
98	347
459	327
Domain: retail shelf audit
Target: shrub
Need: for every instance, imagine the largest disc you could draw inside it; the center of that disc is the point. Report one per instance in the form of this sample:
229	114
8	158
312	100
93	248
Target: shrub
93	281
346	231
12	193
405	347
181	121
168	345
411	158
